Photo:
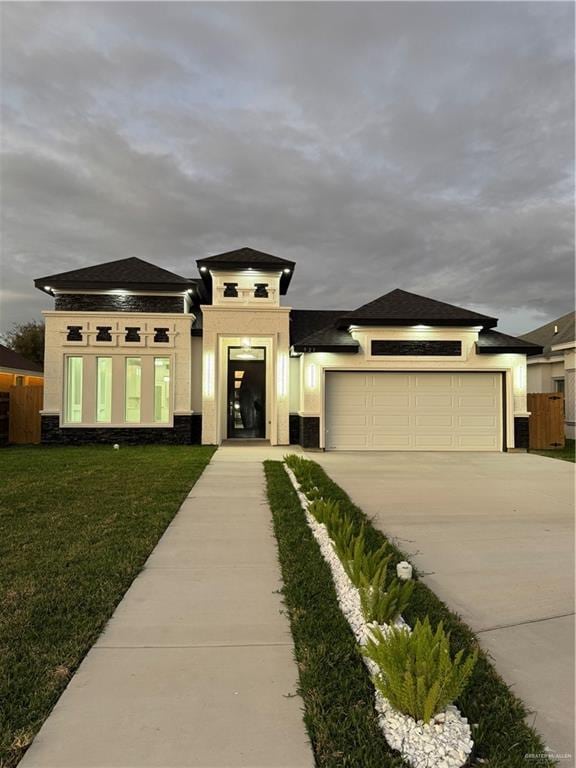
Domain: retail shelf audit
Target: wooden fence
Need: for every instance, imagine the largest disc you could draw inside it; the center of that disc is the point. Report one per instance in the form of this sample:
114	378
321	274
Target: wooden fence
546	420
4	406
24	414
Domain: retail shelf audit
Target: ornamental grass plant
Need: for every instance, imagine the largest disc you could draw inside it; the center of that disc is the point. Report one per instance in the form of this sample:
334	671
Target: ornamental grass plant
417	674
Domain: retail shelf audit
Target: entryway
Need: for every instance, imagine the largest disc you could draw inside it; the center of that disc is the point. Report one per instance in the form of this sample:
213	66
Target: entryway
246	393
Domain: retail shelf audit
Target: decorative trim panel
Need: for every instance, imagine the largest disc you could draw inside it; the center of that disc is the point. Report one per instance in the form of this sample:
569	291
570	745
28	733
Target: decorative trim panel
416	348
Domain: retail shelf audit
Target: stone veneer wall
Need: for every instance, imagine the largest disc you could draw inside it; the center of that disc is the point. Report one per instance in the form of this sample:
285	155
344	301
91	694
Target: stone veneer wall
95	302
521	431
310	431
187	430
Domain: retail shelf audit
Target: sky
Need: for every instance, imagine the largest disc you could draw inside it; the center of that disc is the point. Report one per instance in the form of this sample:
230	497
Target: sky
424	146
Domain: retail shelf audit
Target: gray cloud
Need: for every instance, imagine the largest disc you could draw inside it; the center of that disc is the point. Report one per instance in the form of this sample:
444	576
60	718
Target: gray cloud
427	146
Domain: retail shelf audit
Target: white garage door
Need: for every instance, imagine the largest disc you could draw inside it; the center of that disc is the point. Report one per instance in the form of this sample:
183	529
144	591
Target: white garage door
413	411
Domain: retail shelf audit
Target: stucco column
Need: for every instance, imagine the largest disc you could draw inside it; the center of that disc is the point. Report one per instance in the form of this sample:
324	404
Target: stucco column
209	389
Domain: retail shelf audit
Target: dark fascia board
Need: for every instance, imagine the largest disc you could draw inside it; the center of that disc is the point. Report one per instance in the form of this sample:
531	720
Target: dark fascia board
511	349
106	285
232	266
346	349
346	322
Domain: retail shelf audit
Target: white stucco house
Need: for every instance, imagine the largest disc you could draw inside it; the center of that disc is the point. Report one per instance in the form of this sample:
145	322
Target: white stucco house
135	353
554	370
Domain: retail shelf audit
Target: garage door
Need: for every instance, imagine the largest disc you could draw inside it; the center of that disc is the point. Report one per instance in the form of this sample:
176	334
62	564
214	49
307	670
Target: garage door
413	411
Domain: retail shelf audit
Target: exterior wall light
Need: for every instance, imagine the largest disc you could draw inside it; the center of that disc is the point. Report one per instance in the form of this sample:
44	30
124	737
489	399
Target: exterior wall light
282	374
520	380
208	382
311	378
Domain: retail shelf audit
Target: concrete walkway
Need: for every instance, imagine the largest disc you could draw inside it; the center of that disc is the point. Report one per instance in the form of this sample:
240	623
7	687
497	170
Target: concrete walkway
195	668
495	535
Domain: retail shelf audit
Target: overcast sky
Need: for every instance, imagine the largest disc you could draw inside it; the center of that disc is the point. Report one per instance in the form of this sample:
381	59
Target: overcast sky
426	146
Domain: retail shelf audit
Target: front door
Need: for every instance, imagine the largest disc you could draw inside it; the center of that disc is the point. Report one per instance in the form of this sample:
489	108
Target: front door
246	392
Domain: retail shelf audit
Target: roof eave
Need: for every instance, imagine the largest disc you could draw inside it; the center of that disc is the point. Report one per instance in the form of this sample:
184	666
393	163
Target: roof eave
485	322
346	349
42	284
232	266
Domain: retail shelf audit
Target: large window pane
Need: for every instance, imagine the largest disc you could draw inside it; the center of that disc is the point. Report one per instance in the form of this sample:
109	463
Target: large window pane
133	388
74	389
161	389
104	389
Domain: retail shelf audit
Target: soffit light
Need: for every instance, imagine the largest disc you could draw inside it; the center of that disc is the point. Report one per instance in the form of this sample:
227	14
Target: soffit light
286	271
203	269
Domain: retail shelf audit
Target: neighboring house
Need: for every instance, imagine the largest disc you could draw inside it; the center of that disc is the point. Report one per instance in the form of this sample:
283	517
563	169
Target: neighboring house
136	353
555	369
16	371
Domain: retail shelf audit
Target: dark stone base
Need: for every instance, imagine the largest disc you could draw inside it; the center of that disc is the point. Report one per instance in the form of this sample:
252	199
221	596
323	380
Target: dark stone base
521	432
187	430
310	431
294	429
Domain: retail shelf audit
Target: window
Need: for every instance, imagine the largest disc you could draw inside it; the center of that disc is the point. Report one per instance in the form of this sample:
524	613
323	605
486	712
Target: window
161	389
559	385
133	388
74	390
104	389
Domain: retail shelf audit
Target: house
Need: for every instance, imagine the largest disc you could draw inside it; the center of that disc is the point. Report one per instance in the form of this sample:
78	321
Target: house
555	368
136	353
16	371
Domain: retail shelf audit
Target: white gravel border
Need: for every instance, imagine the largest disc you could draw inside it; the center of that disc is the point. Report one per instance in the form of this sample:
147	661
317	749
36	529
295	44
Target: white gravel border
443	743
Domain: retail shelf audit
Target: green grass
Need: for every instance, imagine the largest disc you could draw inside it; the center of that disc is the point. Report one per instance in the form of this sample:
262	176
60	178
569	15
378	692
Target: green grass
568	453
499	730
334	683
76	526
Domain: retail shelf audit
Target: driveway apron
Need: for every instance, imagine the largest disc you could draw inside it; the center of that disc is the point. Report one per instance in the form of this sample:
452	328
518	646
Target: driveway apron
195	669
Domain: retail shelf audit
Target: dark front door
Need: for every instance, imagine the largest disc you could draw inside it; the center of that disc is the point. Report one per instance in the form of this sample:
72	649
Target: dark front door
246	393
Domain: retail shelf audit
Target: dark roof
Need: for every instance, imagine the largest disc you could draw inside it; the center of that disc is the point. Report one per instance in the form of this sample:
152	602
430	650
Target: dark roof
329	339
244	258
404	308
304	322
315	330
131	274
547	338
11	359
494	342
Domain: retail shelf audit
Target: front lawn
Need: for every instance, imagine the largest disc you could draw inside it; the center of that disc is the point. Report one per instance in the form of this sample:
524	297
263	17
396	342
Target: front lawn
568	453
76	526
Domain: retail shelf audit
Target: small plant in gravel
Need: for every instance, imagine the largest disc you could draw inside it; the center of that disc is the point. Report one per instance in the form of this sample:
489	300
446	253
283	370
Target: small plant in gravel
417	674
364	568
385	603
326	512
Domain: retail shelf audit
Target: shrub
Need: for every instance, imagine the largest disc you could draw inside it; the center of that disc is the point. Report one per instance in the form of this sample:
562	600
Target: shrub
384	604
416	672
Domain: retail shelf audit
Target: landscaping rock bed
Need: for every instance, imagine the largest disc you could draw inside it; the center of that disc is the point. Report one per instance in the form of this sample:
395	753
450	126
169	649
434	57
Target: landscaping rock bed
446	741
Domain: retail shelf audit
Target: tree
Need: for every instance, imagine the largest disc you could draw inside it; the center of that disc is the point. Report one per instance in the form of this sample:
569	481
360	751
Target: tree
27	339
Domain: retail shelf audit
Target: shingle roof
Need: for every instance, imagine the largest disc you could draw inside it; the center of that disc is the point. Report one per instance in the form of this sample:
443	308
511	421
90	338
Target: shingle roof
404	308
127	273
247	256
491	342
329	339
244	258
547	338
304	322
15	361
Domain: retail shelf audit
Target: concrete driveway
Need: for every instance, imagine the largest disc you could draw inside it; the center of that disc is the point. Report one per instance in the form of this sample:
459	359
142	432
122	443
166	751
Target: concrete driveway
494	534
